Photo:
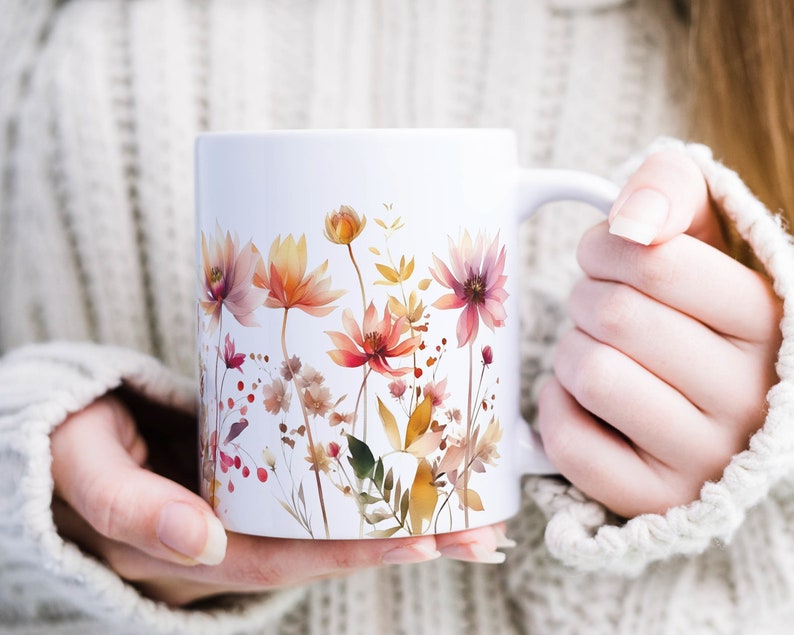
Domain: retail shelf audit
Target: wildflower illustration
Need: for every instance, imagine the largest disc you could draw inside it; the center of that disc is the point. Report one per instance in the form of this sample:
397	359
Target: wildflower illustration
381	421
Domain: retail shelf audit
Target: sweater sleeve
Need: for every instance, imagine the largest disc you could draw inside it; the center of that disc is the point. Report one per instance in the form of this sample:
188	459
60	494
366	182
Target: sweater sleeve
43	578
582	534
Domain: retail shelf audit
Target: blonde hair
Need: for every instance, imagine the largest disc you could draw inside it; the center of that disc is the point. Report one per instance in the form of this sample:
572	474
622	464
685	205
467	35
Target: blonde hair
742	53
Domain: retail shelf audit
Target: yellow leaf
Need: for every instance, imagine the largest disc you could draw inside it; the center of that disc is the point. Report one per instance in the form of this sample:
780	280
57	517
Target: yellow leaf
419	421
423	498
388	272
381	223
471	499
424	283
396	307
374	251
406	271
389	426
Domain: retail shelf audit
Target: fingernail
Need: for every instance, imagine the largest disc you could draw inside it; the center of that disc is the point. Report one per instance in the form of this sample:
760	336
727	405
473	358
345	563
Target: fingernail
410	554
502	541
473	553
192	533
641	216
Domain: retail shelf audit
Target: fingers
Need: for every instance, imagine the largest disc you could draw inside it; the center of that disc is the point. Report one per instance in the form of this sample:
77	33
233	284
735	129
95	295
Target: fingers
96	455
690	276
600	461
665	197
617	390
658	340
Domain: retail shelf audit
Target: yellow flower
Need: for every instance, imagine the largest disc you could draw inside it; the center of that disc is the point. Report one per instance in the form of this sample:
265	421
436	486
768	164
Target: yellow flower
288	284
342	226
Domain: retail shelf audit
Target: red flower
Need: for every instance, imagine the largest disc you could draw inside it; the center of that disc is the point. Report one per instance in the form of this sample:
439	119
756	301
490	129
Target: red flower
231	358
487	355
373	344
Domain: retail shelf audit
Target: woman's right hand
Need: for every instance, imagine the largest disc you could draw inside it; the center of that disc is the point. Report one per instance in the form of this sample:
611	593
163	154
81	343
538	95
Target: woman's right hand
167	541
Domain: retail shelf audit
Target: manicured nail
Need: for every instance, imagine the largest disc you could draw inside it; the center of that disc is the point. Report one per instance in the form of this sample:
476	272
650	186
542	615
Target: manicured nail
502	541
192	533
641	216
473	553
410	554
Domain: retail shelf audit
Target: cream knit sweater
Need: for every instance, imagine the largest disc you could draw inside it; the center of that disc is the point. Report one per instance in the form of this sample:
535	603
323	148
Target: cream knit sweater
99	103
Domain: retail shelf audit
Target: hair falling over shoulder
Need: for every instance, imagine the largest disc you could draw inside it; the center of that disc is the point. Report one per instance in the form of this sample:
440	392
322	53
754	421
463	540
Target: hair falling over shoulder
742	56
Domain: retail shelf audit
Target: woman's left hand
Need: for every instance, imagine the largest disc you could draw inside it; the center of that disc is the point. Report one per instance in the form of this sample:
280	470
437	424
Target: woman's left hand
664	376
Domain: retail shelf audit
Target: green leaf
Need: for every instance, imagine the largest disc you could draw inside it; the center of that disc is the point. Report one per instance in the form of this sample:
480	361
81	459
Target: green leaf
361	457
388	483
378	477
368	499
404	505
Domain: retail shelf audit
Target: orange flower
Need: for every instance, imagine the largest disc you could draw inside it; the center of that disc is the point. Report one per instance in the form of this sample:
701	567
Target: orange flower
289	285
342	226
228	276
373	344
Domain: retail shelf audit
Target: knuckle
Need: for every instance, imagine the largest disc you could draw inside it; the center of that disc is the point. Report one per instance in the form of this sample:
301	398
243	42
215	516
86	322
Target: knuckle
103	503
615	309
592	383
125	563
263	574
654	270
555	431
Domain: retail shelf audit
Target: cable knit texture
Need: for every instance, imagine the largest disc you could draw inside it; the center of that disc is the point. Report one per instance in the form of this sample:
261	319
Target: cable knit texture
101	102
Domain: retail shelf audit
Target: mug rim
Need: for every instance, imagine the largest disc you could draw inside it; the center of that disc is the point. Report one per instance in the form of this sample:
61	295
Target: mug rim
359	132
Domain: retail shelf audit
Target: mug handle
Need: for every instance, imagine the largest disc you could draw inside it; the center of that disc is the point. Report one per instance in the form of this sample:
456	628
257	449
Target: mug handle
535	188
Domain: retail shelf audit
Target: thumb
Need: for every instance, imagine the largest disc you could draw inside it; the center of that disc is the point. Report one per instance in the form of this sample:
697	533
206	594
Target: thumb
95	466
665	197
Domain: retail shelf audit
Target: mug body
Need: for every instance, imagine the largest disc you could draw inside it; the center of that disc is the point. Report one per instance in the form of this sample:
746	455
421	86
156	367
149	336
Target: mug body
358	331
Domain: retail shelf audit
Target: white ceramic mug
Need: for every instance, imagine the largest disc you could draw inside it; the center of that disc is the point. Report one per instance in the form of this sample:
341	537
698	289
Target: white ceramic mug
358	328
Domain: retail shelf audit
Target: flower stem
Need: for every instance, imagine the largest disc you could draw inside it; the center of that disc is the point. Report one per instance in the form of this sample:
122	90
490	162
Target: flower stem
365	371
467	450
309	435
217	412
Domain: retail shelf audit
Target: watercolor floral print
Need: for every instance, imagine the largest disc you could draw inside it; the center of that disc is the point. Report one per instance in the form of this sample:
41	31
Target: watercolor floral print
405	444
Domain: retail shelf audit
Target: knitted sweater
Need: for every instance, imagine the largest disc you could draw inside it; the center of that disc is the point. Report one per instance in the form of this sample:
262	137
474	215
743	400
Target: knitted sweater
100	103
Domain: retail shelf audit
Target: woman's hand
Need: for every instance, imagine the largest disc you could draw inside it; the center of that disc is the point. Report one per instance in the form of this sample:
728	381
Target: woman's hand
164	538
663	377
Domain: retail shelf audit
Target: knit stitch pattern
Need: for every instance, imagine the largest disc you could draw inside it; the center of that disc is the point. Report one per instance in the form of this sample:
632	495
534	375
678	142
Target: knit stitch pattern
101	102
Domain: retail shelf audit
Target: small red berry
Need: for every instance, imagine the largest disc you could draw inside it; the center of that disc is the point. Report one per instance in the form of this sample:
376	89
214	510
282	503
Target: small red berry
246	471
261	474
237	462
231	486
240	386
250	398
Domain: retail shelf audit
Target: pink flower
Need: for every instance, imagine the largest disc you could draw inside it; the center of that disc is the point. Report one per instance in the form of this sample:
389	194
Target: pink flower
476	279
487	355
317	400
228	278
397	388
373	344
231	358
276	396
337	417
436	392
291	367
